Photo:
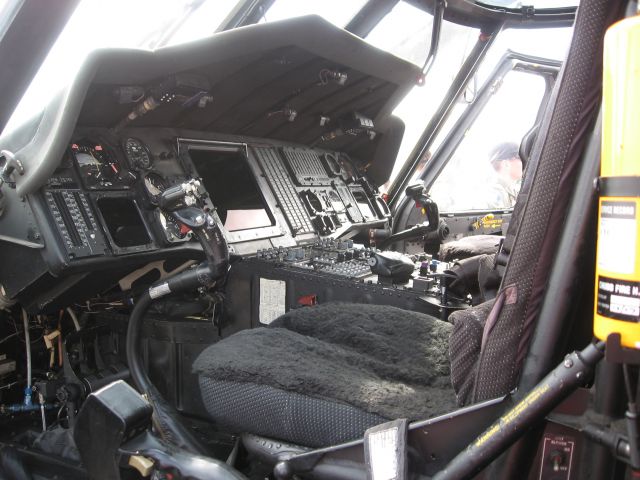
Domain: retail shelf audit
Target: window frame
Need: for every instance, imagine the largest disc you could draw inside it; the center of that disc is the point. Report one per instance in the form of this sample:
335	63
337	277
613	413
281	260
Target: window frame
510	61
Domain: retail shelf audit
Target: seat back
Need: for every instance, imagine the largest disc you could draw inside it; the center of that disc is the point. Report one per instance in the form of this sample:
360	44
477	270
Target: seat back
507	324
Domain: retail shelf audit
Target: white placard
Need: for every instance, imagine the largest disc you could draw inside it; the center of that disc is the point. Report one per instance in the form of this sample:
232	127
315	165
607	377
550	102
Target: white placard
273	295
383	454
617	237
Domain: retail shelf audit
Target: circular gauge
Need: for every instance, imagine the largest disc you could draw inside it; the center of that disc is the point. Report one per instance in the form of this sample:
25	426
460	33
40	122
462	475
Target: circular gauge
154	185
99	168
173	230
137	154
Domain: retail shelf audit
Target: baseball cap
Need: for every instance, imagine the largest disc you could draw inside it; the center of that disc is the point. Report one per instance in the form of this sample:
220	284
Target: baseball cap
504	151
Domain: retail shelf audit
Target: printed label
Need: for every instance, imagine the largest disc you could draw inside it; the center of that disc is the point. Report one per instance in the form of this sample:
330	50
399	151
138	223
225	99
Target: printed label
557	457
159	291
618	299
383	447
272	299
617	236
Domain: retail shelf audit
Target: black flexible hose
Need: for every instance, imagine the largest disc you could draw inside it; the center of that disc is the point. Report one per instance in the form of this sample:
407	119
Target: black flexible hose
203	275
12	467
171	429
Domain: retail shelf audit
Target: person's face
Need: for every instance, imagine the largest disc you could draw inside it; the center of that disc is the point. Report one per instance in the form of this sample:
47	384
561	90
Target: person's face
510	169
515	168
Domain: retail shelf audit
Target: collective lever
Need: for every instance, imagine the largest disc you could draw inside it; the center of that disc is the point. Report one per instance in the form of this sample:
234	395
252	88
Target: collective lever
183	202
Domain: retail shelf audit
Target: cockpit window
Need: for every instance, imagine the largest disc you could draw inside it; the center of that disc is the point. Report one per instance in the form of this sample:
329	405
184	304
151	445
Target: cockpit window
118	23
405	32
421	102
338	12
485	171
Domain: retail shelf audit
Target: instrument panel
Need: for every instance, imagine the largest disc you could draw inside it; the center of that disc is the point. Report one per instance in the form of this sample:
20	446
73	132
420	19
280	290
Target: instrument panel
264	193
100	167
99	220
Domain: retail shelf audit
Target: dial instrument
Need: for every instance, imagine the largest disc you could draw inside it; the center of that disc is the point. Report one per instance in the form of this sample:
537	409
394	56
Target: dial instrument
172	229
137	154
99	168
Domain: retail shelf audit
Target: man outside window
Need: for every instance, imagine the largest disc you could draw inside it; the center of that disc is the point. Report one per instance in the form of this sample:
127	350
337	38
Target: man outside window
506	162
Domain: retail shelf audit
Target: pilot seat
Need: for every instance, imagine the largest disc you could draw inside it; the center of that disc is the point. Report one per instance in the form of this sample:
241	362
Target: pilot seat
322	375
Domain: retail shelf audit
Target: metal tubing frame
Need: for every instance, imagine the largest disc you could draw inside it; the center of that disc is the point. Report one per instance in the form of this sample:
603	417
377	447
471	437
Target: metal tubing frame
438	15
435	441
574	371
464	75
245	13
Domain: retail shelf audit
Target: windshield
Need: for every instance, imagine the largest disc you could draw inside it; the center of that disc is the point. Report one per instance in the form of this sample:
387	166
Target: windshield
117	23
338	12
421	102
405	32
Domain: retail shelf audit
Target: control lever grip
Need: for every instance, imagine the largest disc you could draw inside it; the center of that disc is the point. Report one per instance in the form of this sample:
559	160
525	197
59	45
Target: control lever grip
180	196
178	201
394	265
191	279
433	240
215	249
417	193
172	198
208	233
427	232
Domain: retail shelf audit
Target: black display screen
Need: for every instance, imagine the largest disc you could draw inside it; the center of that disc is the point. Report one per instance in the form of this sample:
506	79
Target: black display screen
227	177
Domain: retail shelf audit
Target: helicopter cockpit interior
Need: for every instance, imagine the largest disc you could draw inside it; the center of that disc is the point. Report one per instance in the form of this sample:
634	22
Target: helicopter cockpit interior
216	262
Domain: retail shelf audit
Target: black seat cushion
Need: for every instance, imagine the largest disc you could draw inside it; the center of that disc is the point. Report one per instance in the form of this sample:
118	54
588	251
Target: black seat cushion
468	247
345	366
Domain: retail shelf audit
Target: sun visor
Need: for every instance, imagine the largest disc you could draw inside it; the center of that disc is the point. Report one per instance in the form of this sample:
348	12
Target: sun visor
301	80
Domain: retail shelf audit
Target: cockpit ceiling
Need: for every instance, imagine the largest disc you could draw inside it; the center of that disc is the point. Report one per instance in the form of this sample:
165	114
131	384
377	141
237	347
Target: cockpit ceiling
251	97
256	73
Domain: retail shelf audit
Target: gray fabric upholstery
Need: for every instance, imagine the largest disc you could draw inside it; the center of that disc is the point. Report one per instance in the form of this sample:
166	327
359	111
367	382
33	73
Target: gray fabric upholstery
545	194
489	277
374	359
464	348
303	420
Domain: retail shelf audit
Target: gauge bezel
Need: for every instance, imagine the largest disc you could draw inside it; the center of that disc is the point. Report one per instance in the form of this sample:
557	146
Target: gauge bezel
134	164
108	158
171	228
